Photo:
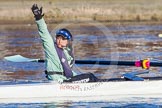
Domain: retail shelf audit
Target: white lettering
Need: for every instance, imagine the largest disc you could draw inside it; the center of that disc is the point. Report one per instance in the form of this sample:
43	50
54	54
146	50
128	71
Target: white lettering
63	60
82	81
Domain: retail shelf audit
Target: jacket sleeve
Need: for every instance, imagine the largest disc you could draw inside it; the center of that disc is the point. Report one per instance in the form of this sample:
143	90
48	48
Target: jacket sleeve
69	56
68	52
52	59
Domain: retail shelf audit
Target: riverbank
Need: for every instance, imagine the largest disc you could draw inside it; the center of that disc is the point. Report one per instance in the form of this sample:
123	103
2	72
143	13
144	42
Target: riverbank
18	11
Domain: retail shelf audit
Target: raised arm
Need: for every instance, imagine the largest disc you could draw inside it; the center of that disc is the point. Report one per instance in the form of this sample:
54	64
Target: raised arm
52	59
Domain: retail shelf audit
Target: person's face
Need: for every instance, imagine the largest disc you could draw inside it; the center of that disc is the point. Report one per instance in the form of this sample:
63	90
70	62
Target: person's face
61	42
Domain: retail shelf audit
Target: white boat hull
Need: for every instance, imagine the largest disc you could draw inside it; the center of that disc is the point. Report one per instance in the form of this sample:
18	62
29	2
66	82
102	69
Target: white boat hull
48	92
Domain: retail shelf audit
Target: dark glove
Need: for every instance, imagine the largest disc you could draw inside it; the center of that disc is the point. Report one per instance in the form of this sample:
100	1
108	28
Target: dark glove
37	12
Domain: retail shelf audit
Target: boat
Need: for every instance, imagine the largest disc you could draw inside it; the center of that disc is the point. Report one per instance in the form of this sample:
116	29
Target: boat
128	86
52	91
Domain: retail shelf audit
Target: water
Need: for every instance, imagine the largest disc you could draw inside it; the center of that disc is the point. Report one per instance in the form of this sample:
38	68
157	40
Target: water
143	103
94	41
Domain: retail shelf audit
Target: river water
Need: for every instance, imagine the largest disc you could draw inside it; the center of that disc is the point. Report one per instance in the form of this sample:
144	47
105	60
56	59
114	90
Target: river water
92	41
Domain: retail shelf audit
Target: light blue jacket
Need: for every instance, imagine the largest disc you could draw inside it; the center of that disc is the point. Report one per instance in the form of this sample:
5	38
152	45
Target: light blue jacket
52	61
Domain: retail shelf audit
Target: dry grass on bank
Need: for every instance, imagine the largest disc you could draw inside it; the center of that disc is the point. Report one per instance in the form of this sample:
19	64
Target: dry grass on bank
83	10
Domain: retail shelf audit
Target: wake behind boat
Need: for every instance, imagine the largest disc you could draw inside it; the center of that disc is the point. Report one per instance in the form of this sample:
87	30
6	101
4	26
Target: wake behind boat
52	91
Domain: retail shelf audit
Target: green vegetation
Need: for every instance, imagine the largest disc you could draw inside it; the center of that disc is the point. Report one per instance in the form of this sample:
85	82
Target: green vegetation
83	10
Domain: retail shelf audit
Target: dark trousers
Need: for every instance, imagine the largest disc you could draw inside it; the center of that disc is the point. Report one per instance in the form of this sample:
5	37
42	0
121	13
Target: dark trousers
83	78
